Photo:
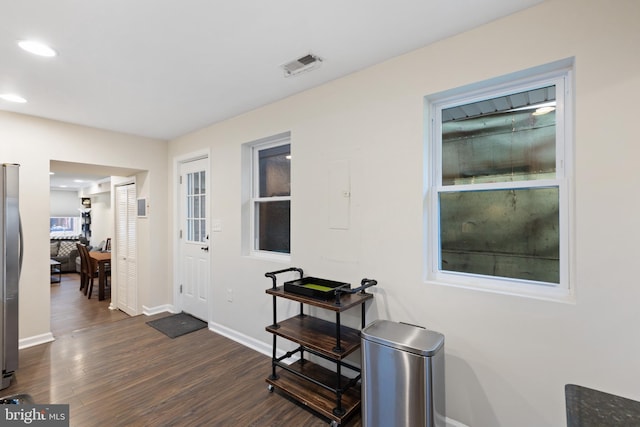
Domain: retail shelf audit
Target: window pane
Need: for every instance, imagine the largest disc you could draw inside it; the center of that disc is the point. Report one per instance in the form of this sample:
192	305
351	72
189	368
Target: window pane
196	229
66	224
275	171
504	233
508	138
196	207
272	224
203	230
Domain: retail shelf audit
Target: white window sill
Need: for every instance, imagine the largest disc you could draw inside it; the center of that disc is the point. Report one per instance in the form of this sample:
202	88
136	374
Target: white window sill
539	292
270	256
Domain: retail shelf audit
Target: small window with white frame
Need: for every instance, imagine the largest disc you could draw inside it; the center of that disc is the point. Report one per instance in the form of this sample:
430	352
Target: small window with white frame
271	197
498	186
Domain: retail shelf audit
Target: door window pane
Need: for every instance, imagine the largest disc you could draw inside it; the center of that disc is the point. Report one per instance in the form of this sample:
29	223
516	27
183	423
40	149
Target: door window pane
196	207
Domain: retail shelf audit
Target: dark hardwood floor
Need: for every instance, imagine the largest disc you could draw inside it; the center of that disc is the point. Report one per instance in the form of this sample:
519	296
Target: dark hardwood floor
71	309
114	370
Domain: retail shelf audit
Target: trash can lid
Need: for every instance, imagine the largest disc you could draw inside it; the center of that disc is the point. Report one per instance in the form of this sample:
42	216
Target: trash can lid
403	336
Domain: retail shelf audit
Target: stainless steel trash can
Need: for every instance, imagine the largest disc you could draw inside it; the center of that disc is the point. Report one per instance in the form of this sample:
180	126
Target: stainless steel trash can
402	376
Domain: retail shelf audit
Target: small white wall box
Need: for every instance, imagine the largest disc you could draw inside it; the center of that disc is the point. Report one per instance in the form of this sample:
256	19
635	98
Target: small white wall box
142	208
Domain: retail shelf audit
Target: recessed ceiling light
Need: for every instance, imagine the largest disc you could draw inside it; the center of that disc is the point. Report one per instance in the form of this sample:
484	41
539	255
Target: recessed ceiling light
37	48
12	97
78	180
52	173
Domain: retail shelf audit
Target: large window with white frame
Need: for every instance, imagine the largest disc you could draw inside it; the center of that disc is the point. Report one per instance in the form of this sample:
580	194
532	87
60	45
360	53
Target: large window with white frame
271	197
498	186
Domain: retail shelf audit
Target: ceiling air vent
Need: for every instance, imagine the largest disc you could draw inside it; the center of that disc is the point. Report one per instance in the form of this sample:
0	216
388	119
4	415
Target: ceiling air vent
300	65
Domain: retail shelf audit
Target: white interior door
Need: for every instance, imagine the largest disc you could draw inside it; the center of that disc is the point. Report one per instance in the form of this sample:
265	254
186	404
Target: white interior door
126	248
194	242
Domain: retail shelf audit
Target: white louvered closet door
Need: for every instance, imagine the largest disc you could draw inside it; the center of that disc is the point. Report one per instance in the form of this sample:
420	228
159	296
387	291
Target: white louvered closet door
126	249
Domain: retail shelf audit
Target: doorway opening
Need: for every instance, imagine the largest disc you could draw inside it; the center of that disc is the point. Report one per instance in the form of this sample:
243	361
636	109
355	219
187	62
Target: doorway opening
81	210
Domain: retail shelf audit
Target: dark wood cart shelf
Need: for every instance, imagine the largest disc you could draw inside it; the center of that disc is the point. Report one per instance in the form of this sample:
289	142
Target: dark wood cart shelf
347	301
317	334
315	397
328	392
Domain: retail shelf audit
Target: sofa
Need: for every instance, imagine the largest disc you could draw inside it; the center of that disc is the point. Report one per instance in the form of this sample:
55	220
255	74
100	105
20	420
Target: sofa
65	251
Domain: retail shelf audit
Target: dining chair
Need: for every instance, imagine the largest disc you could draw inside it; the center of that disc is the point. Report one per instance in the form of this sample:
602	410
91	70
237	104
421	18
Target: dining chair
88	270
95	268
84	270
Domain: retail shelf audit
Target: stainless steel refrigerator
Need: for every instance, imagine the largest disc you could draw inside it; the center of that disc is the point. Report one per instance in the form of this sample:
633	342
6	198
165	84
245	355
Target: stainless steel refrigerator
10	264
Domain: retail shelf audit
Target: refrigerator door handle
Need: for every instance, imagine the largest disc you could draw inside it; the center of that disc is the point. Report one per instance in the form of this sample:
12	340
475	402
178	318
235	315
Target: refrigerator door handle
21	246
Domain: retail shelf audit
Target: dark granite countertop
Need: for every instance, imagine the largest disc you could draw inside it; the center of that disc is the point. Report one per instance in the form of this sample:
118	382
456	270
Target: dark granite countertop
592	408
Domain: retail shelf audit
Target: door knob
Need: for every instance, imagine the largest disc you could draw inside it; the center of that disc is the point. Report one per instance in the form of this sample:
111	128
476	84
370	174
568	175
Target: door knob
205	248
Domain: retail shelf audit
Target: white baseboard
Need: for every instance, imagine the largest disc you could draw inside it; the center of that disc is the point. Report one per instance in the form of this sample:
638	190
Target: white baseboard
35	340
243	339
150	311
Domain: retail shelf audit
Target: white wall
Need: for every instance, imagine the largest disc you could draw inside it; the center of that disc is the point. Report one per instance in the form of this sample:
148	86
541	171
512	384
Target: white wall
101	218
33	143
508	358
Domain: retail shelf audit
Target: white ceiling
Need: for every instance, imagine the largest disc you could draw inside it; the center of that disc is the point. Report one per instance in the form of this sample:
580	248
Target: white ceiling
63	181
163	68
69	176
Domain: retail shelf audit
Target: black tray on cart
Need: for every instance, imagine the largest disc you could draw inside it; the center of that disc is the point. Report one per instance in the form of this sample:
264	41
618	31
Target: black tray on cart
314	287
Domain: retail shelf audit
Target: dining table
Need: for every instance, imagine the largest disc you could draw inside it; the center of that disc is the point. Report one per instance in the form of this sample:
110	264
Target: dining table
101	260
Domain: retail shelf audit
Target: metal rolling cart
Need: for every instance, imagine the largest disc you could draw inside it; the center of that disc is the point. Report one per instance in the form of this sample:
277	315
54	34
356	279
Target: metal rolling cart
329	393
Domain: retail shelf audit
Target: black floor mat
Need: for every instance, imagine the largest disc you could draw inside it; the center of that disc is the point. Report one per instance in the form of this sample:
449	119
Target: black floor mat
177	324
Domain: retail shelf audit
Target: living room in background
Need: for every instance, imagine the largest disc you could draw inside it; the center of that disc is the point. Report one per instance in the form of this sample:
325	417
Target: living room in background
65	228
498	187
268	163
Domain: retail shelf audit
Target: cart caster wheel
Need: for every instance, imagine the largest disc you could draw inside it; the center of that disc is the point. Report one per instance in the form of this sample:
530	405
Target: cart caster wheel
334	424
270	388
